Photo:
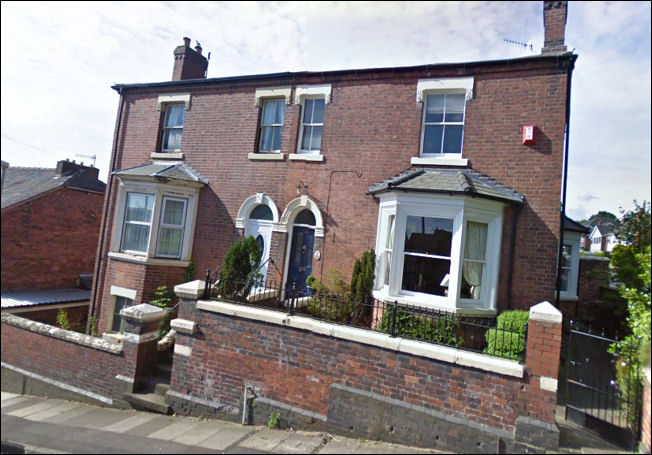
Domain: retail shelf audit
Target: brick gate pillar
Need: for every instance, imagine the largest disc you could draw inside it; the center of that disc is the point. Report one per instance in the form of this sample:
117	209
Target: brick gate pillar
537	427
139	345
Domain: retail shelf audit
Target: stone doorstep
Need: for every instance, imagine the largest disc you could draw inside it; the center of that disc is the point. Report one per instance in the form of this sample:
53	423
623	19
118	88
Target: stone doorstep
148	402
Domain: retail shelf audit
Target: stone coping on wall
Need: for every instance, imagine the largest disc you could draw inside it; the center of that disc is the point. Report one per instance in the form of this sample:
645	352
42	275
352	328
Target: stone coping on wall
66	335
381	340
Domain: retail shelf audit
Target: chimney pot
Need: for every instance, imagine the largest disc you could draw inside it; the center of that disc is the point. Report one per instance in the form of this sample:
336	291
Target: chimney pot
198	49
189	63
186	41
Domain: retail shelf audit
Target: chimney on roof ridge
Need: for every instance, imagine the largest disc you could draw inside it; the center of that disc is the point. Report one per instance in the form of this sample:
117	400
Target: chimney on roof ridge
554	26
67	167
188	63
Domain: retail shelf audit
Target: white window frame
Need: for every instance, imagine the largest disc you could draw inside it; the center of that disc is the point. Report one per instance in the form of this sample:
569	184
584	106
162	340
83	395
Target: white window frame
460	210
188	192
571	239
138	223
269	125
115	292
301	93
303	126
165	129
441	154
427	87
162	225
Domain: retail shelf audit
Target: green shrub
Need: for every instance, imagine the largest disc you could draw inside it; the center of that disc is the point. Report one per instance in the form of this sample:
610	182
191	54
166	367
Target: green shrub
62	319
238	272
274	420
362	279
165	299
92	325
332	299
427	328
507	339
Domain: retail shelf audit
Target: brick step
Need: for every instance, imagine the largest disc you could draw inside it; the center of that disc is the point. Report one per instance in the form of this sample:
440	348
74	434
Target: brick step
148	402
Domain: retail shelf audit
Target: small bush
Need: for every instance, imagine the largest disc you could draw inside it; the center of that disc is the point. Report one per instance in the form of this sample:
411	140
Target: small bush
434	330
62	319
507	339
165	299
274	420
239	270
92	324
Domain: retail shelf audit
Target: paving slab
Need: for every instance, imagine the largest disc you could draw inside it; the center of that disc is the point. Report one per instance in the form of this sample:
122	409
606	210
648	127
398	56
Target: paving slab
386	447
27	410
131	422
300	442
169	432
228	435
58	408
339	444
97	418
151	426
8	395
200	432
70	414
19	402
265	439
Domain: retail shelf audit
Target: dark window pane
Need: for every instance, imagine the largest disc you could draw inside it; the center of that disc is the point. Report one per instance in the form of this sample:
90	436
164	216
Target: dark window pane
261	212
428	235
305	217
315	144
564	279
425	274
307	111
266	139
175	116
453	138
432	139
139	207
434	108
260	242
307	137
278	131
120	303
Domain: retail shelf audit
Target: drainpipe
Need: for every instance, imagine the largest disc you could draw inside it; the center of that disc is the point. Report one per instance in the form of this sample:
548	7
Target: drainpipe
99	262
571	65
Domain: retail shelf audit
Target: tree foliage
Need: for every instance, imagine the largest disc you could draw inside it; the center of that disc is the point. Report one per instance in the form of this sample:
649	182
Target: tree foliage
362	279
240	267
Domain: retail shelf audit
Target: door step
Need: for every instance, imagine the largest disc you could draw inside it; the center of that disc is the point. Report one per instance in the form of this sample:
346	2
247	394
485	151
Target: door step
148	402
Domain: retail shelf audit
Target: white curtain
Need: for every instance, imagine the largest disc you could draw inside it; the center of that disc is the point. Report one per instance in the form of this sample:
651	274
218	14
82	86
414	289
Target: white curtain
474	252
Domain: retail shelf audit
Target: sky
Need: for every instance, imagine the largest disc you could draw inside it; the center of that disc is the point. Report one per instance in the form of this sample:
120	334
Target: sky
60	59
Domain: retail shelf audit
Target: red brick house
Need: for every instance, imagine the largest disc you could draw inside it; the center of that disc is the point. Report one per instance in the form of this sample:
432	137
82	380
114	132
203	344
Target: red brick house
451	172
50	227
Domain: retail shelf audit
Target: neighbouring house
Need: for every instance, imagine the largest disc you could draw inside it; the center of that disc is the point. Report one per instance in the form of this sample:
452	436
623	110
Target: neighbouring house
602	238
50	227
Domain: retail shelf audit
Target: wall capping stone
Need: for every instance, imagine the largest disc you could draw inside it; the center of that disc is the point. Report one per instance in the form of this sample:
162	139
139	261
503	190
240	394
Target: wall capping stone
381	340
545	312
66	335
192	290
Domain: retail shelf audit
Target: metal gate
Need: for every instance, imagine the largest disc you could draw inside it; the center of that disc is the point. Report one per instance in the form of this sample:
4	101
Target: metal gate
595	395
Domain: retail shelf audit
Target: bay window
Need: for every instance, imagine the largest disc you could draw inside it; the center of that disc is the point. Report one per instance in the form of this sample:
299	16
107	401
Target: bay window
439	252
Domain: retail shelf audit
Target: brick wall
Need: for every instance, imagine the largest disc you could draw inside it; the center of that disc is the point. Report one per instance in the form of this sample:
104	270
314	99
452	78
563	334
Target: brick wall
372	126
301	369
48	241
77	315
70	363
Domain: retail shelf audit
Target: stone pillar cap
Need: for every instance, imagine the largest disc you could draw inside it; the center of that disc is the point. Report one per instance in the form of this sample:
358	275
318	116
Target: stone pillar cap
545	311
143	313
192	290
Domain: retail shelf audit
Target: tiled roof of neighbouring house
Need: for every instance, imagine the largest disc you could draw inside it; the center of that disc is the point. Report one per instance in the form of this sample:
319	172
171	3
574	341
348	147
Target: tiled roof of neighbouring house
22	183
178	171
572	225
447	181
16	299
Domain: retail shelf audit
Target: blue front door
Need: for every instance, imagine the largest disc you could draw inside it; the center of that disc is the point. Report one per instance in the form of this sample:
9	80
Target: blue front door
300	265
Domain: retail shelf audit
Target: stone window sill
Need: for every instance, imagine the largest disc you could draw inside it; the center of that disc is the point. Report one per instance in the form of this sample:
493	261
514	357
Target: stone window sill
167	156
266	156
126	257
306	157
440	161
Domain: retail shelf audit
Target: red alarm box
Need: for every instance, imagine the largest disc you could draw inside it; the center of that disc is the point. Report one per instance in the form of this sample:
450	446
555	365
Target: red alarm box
528	134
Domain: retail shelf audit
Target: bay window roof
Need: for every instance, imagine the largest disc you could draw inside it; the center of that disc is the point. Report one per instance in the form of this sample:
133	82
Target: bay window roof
447	181
178	171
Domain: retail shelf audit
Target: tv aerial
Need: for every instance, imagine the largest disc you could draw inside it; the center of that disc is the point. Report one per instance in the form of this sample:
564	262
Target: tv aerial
527	45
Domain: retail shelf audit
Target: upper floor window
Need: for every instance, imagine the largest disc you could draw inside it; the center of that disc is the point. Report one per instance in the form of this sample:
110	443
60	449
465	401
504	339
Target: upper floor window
271	126
173	128
312	124
443	124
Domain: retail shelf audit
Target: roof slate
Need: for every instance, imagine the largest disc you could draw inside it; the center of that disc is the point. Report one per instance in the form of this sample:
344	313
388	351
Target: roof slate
22	183
177	171
448	181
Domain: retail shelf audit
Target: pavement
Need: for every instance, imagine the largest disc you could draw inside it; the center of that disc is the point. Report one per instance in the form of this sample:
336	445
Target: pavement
43	425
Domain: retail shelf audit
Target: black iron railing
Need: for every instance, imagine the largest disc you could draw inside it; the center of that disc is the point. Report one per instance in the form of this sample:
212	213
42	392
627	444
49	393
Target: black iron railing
479	334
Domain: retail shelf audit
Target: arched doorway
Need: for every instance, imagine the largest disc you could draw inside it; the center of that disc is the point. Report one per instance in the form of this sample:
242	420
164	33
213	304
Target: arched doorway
301	251
259	226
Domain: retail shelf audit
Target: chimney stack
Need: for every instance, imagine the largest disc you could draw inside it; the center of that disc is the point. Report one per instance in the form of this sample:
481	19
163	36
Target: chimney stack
554	26
67	167
188	63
